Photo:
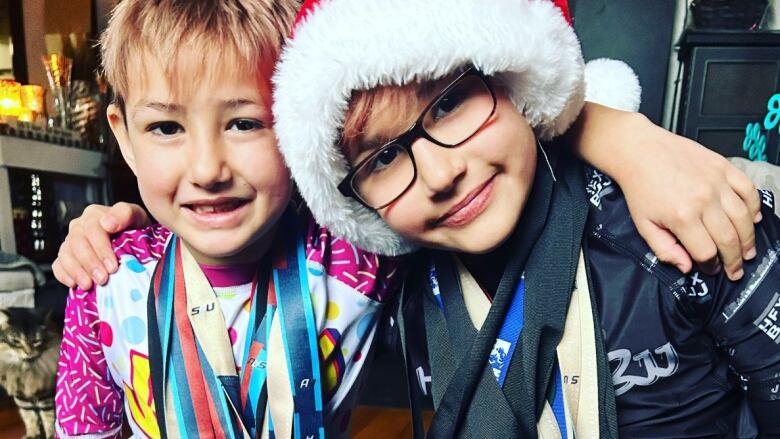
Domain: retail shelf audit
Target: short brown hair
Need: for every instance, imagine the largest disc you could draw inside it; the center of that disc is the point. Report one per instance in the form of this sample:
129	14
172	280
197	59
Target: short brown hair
240	35
388	105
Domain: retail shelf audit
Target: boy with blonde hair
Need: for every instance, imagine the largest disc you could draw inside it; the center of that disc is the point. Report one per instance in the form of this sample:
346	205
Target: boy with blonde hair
236	316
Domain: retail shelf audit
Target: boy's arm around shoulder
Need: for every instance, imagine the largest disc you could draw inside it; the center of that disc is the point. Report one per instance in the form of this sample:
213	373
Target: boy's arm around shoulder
743	317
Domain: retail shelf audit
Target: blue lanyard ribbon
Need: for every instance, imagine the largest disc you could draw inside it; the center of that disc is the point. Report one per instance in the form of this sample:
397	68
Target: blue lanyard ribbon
508	336
292	299
506	343
300	339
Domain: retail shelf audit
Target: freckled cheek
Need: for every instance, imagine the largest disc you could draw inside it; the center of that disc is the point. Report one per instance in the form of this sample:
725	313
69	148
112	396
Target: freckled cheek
508	142
404	216
266	171
158	178
498	150
277	187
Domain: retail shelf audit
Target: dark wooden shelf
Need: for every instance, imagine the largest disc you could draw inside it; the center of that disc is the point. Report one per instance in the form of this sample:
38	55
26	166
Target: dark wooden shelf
725	38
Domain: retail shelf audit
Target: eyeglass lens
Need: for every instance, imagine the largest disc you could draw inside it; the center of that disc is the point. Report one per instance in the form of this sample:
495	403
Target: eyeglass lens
451	119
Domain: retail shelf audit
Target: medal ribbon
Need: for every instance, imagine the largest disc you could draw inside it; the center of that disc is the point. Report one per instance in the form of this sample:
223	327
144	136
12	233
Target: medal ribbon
506	342
204	396
299	333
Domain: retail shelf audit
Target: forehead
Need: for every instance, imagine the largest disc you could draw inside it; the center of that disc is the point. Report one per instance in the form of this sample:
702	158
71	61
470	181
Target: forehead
189	74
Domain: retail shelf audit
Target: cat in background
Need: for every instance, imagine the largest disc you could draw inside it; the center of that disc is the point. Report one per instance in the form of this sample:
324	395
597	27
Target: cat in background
29	349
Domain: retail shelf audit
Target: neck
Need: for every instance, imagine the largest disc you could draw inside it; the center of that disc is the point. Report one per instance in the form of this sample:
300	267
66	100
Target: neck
229	275
488	268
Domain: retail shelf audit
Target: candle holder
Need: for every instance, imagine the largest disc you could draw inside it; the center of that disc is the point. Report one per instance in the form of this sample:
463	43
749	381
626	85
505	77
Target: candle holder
58	70
10	99
33	103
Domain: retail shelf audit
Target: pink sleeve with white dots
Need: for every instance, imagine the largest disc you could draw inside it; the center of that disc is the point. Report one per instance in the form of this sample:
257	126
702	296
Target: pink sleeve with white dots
87	401
376	277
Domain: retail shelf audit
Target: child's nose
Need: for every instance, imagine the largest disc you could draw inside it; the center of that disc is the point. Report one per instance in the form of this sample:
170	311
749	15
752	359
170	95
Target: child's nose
208	166
438	168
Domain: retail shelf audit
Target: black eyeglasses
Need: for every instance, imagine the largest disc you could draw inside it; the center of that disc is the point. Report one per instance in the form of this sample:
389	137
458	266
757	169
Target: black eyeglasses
450	119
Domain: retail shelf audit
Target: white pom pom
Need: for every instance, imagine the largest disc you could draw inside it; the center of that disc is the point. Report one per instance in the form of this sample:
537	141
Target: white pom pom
612	83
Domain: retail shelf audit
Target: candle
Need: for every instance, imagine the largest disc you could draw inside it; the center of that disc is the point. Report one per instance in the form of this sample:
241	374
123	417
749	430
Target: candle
32	98
10	98
26	115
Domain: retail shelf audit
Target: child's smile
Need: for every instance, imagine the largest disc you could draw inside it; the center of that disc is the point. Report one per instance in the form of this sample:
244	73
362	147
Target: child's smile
472	205
222	212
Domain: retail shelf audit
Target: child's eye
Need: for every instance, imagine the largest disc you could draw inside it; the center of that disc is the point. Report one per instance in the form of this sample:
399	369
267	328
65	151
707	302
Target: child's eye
165	128
386	158
244	125
447	105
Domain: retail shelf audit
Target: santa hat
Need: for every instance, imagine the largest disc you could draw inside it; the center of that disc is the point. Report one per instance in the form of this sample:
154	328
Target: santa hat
339	46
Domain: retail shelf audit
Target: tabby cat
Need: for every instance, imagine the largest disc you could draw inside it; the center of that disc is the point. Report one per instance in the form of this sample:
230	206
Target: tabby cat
29	349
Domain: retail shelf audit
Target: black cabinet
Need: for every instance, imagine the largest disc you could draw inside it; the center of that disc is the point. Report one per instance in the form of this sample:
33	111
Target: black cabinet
729	80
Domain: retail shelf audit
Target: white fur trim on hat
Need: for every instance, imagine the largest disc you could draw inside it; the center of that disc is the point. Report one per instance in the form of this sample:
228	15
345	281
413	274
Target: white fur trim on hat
347	45
612	83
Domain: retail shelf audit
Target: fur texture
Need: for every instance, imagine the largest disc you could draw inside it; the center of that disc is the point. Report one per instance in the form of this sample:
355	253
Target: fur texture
527	43
29	349
612	83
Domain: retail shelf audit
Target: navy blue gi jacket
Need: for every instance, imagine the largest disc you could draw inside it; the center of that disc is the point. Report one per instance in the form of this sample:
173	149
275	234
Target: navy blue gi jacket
684	350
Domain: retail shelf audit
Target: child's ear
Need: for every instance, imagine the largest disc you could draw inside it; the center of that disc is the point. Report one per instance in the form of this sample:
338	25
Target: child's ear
116	119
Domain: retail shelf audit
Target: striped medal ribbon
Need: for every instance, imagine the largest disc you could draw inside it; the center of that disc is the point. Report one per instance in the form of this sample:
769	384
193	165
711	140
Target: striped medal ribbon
204	396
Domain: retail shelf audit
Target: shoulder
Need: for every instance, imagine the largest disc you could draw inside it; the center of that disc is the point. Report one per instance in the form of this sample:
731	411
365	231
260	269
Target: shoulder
701	295
608	210
144	245
374	276
724	304
135	250
608	216
717	297
138	252
611	229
